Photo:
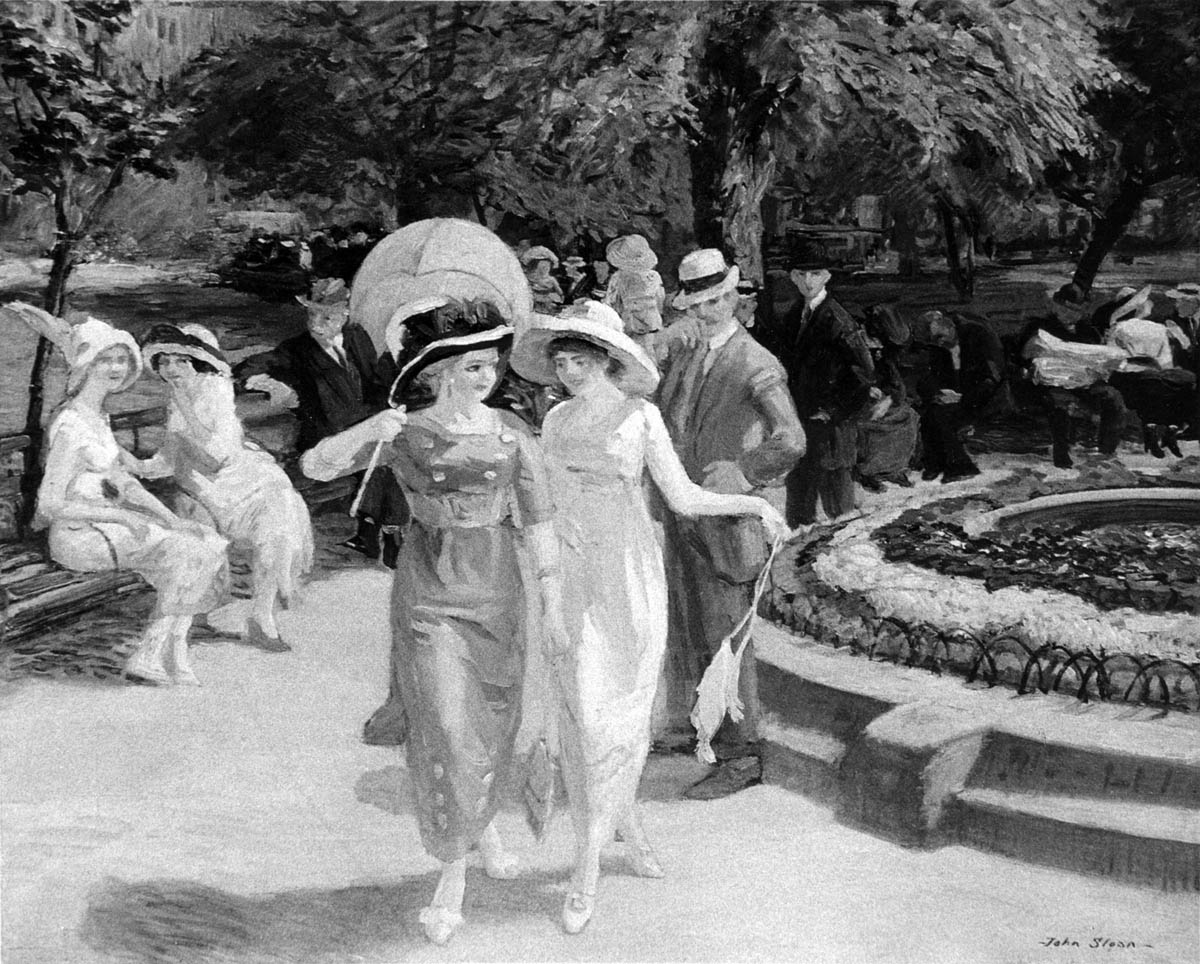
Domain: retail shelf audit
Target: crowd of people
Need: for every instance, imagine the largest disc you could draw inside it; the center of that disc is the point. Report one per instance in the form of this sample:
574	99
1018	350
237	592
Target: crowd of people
590	490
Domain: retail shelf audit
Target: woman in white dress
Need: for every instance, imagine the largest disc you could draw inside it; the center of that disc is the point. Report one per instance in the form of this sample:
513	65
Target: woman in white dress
100	517
599	445
227	481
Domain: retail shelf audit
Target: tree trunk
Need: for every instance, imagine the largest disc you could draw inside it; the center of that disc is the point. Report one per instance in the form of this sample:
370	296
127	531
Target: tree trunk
1108	230
961	277
706	180
904	240
62	260
745	182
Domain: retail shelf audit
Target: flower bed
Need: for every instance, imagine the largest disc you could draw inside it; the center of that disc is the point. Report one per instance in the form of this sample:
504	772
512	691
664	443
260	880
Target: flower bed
917	589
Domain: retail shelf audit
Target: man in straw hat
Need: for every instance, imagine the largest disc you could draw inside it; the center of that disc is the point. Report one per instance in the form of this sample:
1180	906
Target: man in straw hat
832	381
340	380
725	402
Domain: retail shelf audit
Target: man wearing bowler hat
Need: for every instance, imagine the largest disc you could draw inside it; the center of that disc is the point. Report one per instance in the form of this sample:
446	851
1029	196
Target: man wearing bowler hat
725	402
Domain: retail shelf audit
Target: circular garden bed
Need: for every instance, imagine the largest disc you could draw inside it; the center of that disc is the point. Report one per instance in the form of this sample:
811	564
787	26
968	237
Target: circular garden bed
1100	609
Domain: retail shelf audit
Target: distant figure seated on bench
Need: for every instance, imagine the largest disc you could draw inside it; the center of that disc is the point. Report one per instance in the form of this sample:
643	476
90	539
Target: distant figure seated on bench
963	384
1067	371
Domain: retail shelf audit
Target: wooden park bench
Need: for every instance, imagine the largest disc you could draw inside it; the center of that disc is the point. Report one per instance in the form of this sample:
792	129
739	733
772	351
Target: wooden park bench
36	593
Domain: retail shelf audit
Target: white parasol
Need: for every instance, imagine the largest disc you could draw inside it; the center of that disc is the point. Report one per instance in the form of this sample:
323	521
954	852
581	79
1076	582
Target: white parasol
438	256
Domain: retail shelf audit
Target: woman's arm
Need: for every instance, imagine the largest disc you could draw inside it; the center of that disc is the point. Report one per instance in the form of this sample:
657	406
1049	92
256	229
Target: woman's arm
688	499
351	450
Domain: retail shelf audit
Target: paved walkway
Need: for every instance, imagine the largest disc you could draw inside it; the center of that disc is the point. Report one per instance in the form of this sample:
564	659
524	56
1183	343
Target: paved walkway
244	822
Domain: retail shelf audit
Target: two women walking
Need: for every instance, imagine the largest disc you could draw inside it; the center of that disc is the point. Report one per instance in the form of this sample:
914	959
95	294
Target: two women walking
483	492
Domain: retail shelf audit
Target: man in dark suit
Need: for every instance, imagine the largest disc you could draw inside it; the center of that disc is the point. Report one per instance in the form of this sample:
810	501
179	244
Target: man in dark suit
832	381
963	384
725	402
340	380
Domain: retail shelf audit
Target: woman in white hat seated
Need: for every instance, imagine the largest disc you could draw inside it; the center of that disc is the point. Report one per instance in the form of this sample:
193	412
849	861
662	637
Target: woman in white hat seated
1149	380
100	517
476	487
226	480
599	445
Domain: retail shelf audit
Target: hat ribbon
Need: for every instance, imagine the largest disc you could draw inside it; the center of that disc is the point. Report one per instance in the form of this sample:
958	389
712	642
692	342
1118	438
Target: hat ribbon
693	285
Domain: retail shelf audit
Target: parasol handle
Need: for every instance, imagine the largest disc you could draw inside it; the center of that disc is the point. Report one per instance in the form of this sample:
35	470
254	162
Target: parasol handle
362	488
371	466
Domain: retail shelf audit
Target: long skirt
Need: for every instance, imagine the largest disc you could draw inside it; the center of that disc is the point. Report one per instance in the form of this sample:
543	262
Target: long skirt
457	614
615	602
186	569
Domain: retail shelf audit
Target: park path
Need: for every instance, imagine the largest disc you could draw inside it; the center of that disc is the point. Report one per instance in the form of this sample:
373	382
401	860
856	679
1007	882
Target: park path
243	821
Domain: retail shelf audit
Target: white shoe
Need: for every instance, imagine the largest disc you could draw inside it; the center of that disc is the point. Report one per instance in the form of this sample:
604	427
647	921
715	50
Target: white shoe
503	866
439	923
577	911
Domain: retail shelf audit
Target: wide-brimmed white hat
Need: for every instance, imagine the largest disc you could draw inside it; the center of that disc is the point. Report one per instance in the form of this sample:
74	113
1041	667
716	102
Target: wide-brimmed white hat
539	252
1129	302
194	341
89	340
596	324
631	253
704	276
1189	289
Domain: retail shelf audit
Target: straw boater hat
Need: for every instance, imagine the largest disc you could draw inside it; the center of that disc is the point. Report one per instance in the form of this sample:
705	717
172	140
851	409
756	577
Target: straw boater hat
88	341
1185	291
539	252
194	341
326	293
592	322
1129	302
704	276
443	328
630	253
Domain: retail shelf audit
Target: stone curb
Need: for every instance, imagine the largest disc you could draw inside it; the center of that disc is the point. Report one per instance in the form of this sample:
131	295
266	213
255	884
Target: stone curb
1107	789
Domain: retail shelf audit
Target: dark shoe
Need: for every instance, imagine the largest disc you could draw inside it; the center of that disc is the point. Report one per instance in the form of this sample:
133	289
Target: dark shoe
391	548
1063	462
901	479
270	644
1171	443
928	475
388	726
727	779
958	475
368	549
871	484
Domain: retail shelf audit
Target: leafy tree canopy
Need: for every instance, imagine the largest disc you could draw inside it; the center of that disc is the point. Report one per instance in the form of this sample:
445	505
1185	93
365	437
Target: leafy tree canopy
64	122
500	102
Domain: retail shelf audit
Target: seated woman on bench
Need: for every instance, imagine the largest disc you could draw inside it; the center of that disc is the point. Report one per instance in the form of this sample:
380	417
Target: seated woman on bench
100	517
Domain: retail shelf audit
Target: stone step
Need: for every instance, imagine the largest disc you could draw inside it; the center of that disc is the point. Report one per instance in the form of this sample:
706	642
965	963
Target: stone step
801	759
1139	843
1022	763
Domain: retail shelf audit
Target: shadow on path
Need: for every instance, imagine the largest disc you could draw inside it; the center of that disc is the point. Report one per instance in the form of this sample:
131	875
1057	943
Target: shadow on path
181	922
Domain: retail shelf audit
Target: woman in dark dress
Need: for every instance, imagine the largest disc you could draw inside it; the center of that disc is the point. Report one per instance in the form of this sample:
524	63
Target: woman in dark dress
475	484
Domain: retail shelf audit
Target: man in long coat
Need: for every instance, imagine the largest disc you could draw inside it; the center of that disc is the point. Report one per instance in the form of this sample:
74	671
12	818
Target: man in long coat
725	402
832	381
